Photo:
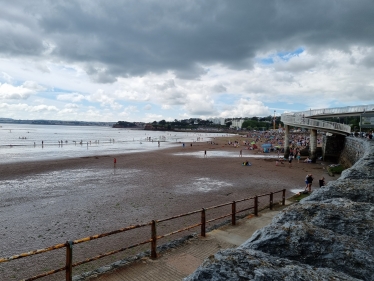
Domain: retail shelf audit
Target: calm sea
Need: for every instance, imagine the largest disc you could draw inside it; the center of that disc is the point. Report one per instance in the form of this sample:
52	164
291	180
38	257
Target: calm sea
23	142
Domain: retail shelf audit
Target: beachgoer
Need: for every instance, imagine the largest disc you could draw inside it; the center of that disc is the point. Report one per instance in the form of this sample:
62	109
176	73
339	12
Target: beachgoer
306	182
321	182
290	161
310	181
241	153
205	154
307	160
298	157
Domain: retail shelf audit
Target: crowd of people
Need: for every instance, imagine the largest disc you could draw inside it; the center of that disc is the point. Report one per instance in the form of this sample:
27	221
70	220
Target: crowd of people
273	141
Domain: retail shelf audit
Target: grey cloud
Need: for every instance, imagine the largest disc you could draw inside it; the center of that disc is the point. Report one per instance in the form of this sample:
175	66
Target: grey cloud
368	60
169	84
100	75
219	89
173	98
136	37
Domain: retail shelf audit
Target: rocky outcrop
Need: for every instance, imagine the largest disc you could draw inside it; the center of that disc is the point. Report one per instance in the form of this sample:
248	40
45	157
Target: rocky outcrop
327	236
244	264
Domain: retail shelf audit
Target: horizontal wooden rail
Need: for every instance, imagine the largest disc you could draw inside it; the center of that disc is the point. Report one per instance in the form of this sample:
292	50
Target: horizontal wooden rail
178	231
179	216
154	237
245	199
110	253
221	217
97	236
218	206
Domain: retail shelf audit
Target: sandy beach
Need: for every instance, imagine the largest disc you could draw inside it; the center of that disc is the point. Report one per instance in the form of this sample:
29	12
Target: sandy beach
49	202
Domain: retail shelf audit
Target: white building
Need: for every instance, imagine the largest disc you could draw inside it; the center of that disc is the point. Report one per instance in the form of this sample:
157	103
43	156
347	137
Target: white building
237	123
217	121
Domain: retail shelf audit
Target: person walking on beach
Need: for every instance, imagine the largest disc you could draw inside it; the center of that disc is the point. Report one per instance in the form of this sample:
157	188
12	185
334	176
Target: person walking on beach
310	181
306	182
241	153
322	182
205	154
290	161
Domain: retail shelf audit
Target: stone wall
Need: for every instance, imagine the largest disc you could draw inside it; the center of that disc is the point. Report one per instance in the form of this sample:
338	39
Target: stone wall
327	236
332	147
353	150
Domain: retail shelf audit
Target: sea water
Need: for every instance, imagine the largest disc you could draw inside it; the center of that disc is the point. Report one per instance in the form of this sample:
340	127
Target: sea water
28	142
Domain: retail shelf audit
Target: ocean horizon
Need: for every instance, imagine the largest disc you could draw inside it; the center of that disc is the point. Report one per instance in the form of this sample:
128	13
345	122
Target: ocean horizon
28	142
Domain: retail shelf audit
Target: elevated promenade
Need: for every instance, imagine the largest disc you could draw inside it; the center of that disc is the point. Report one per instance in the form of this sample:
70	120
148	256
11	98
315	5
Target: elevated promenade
177	263
309	120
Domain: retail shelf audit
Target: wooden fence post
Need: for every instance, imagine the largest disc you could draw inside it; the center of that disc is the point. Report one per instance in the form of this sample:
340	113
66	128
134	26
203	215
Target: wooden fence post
69	260
256	205
233	213
271	200
154	241
203	222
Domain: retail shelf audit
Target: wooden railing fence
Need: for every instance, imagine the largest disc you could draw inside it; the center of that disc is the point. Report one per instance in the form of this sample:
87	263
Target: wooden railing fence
68	268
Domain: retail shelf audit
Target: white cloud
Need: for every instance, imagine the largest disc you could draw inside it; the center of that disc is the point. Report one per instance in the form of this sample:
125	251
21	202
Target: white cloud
147	107
8	91
73	97
165	106
71	105
28	108
246	108
200	105
42	107
153	117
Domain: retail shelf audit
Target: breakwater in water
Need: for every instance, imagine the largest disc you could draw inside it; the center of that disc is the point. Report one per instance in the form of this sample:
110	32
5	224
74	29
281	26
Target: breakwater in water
327	236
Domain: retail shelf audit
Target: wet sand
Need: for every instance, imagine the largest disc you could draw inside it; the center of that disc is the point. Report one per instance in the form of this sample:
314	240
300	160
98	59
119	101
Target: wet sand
50	202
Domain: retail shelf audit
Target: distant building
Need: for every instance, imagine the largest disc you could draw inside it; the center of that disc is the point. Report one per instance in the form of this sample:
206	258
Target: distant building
237	123
217	121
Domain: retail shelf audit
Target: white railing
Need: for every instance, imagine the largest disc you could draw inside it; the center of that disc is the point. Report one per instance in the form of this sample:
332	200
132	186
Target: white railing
300	121
337	110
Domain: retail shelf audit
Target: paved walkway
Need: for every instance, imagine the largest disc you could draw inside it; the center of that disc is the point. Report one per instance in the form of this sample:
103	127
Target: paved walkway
182	261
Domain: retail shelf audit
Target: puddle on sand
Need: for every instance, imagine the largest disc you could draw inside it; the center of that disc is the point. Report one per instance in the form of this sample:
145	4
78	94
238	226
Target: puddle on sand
202	185
297	190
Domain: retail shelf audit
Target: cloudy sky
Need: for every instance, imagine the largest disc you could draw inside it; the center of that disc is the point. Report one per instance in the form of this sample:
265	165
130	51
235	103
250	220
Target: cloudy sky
147	60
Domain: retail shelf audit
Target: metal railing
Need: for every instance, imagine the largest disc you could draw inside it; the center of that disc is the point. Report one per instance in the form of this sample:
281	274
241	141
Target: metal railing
335	111
301	121
69	265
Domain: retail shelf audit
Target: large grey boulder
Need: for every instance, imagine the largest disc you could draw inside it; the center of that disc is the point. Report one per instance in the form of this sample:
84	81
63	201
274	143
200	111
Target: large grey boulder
243	264
340	215
303	242
356	190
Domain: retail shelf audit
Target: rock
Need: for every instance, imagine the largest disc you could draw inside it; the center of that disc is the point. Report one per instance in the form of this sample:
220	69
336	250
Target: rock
315	246
244	264
342	216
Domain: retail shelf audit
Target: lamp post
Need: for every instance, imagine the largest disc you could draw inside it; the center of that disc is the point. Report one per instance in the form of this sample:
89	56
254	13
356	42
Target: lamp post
274	121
